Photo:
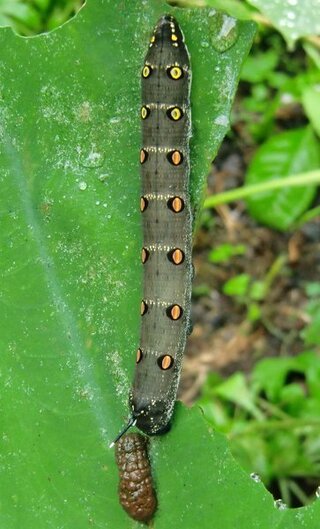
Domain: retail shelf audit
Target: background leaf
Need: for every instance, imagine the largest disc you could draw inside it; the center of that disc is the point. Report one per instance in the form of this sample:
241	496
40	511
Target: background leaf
311	103
282	155
293	19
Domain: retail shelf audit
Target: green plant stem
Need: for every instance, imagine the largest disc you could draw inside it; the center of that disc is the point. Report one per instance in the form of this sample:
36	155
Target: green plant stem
272	410
307	216
301	179
274	271
284	490
298	492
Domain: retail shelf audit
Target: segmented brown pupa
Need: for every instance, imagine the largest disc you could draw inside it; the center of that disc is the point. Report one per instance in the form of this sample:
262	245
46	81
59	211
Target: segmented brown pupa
136	492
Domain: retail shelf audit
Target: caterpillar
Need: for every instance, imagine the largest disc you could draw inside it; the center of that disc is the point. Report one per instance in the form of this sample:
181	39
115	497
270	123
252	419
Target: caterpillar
167	229
136	492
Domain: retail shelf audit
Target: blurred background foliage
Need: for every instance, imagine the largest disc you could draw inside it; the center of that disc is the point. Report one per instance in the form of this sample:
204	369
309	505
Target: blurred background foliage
36	16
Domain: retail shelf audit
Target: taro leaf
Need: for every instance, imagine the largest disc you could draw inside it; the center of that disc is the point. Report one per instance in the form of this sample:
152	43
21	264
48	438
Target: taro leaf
223	495
70	275
285	154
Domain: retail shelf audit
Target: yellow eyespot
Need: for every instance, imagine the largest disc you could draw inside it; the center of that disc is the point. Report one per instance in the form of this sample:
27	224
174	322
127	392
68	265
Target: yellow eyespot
175	72
146	71
174	37
145	111
174	113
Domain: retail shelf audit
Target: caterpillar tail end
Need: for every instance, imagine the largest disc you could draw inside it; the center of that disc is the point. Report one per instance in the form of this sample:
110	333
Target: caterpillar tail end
129	424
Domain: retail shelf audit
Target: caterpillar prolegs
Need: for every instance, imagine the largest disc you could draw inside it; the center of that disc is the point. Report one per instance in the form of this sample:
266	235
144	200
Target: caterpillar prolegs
167	228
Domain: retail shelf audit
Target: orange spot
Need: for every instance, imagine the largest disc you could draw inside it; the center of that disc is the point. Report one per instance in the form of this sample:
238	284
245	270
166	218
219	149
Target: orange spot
177	204
139	356
143	204
175	312
176	158
177	256
143	156
144	255
143	308
166	362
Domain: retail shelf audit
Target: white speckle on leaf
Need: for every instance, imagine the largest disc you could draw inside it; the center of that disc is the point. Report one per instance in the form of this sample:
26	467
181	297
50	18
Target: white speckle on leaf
83	186
103	177
222	120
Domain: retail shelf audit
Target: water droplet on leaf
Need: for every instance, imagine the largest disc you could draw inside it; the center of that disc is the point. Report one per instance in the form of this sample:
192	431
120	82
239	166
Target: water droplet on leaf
224	31
255	477
279	504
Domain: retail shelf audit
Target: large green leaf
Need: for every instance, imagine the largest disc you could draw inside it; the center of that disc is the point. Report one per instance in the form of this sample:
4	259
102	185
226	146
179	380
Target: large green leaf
70	273
222	495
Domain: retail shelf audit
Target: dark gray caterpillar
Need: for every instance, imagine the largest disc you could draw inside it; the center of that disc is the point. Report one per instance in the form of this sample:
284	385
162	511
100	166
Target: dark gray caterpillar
166	217
136	492
167	228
